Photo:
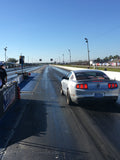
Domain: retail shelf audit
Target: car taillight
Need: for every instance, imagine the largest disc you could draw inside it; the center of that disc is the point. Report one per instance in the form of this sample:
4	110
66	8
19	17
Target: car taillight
112	85
82	86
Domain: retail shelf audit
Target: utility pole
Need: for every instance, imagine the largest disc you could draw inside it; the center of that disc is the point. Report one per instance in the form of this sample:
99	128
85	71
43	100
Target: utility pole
88	51
59	59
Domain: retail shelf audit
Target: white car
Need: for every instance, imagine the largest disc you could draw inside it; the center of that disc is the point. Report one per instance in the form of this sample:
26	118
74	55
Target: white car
88	84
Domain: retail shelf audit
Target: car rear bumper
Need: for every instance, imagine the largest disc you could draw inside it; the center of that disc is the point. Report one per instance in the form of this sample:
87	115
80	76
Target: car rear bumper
99	99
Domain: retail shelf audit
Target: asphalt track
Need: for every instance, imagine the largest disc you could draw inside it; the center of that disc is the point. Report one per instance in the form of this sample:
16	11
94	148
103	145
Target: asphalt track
41	126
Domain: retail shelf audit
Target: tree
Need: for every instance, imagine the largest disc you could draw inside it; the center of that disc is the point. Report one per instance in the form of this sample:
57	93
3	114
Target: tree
110	57
98	60
13	60
106	59
116	57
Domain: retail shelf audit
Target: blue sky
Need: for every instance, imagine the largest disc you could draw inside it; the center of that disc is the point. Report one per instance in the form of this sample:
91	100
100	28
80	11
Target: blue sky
44	29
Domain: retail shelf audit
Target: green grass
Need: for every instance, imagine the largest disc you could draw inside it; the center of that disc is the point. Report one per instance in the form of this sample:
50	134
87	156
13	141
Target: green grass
109	69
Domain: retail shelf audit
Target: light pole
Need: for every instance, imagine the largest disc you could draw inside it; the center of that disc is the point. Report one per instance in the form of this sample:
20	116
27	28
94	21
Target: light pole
63	58
70	54
88	51
5	53
59	59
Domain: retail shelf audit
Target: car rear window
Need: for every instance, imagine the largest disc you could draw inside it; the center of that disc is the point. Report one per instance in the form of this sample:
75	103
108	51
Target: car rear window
91	75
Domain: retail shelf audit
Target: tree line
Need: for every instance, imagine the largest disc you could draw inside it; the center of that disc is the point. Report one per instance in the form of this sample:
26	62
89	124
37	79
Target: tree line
107	59
12	60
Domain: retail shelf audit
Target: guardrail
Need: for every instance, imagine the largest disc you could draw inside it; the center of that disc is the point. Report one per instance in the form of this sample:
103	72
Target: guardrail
22	76
8	95
11	92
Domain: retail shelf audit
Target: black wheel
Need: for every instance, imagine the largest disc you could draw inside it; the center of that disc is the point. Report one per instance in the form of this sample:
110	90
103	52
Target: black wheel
69	101
114	100
61	91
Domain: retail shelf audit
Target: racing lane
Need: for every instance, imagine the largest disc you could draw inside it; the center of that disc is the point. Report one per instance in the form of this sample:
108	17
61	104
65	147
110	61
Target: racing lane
49	129
105	117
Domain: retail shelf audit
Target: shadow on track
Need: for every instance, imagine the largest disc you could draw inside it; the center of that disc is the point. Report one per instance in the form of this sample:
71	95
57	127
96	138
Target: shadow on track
33	122
107	107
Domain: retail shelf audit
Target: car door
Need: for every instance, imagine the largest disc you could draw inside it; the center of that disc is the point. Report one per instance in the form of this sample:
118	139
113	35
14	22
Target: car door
66	82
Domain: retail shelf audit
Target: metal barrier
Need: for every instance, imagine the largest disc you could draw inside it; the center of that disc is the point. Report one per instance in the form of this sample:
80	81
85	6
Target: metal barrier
8	95
11	92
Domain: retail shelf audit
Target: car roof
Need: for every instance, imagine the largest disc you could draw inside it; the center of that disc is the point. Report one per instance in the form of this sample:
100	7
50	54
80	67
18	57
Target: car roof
85	70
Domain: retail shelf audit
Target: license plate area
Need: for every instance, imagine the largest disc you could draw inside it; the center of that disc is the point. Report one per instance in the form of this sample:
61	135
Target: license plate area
99	95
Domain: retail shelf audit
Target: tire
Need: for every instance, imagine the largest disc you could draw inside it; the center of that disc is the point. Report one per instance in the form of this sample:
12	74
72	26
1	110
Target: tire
61	91
69	101
114	100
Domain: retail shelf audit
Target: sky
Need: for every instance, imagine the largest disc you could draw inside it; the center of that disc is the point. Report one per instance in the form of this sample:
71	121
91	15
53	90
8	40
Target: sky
45	29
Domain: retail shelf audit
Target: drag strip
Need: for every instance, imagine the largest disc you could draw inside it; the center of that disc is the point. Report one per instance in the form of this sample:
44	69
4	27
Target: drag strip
47	128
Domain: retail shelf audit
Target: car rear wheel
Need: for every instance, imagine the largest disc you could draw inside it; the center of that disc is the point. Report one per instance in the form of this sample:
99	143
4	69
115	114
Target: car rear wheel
61	91
114	100
69	101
